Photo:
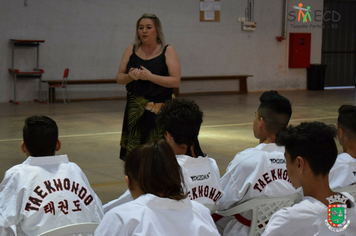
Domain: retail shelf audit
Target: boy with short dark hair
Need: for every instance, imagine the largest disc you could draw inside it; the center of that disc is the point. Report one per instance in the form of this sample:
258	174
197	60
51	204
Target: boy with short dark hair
310	152
180	120
259	171
343	172
45	191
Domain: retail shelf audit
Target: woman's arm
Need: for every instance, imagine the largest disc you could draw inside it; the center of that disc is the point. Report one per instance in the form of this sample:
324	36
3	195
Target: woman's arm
122	77
173	78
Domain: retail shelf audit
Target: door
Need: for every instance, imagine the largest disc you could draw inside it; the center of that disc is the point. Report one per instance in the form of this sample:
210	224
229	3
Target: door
339	43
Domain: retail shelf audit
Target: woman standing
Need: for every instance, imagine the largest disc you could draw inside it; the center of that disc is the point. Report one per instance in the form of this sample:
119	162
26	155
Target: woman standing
150	69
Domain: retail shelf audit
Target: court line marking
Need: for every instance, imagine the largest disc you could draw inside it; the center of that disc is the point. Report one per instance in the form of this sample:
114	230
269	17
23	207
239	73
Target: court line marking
67	136
250	123
204	126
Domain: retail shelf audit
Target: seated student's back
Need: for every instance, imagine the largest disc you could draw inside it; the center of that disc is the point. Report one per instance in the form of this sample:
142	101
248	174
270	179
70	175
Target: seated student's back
160	206
46	191
181	119
260	171
343	173
310	152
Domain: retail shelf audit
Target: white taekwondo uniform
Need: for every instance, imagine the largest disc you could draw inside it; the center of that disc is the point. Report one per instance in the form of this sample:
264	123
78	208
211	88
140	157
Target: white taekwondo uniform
43	193
343	173
254	172
150	215
201	177
308	218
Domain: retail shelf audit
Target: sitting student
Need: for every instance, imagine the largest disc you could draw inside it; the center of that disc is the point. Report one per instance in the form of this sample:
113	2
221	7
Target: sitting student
310	152
181	120
45	191
160	206
259	171
343	172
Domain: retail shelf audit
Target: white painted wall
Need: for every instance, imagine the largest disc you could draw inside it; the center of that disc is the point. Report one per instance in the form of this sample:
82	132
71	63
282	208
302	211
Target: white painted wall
89	37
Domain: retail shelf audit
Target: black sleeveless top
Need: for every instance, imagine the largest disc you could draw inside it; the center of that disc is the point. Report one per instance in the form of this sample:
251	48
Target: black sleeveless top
151	91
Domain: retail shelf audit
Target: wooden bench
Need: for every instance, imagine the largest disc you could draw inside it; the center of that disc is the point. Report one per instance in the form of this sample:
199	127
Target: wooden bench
241	78
52	94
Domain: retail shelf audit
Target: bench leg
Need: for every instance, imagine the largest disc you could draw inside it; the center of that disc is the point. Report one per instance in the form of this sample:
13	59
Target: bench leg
15	90
51	95
243	85
39	90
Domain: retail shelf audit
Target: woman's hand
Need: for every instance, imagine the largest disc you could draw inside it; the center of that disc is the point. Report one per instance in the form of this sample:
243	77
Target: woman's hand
134	73
173	65
144	73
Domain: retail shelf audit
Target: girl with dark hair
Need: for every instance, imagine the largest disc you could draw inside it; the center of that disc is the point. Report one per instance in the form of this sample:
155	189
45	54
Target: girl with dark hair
160	206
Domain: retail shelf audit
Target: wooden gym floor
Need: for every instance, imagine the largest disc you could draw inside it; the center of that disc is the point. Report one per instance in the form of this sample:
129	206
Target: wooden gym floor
90	131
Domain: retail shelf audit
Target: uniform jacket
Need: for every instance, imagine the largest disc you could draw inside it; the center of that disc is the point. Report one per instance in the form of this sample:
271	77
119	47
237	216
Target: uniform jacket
254	172
343	172
202	178
150	215
308	218
44	193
